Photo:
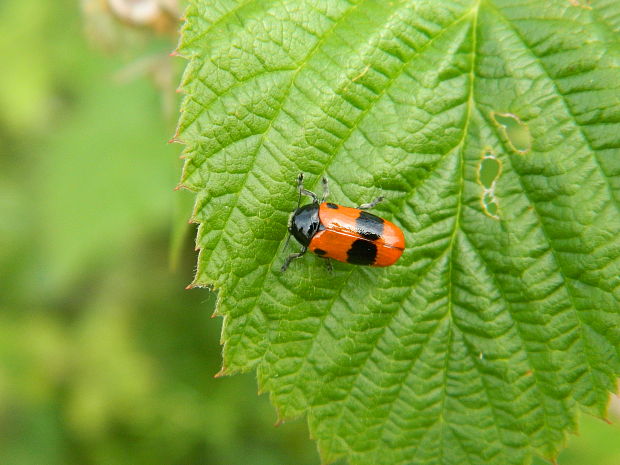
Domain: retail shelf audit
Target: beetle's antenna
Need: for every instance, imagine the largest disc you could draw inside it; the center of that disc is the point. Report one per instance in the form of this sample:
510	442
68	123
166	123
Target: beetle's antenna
300	187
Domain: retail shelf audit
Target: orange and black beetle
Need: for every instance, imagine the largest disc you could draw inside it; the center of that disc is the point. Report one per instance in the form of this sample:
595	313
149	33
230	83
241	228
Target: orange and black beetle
349	235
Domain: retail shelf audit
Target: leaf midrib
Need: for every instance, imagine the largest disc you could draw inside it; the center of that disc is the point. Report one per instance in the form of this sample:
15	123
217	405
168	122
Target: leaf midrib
473	12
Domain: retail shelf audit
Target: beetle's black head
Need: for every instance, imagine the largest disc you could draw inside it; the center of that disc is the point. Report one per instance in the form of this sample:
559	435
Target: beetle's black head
304	223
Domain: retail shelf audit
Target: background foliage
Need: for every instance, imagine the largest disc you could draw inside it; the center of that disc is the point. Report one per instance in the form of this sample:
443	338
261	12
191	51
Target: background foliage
104	358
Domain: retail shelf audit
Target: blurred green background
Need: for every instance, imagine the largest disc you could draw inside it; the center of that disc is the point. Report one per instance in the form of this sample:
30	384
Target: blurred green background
104	357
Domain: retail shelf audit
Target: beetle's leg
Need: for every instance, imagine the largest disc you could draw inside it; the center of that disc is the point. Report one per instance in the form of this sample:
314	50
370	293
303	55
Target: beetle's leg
325	189
302	191
329	266
368	206
292	257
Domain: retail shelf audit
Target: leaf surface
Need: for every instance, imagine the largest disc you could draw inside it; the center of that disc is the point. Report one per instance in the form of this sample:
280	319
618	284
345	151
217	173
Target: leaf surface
501	320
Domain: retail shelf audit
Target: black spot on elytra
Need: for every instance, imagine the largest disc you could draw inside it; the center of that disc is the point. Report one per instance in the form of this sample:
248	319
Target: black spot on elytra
362	253
332	205
369	226
320	251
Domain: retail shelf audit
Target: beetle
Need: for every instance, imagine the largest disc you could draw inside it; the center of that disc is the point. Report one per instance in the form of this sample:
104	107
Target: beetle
350	235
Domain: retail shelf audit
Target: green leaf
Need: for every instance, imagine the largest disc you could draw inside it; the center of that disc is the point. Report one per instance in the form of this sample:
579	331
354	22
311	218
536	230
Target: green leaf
502	319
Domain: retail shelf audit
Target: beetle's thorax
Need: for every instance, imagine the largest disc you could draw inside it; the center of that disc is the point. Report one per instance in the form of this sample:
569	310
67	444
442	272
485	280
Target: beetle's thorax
304	223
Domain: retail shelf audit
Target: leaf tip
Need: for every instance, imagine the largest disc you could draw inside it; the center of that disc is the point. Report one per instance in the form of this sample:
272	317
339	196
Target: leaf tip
221	373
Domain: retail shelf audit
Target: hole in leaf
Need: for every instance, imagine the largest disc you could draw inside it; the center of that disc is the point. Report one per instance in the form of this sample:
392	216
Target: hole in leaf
489	204
515	130
489	171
